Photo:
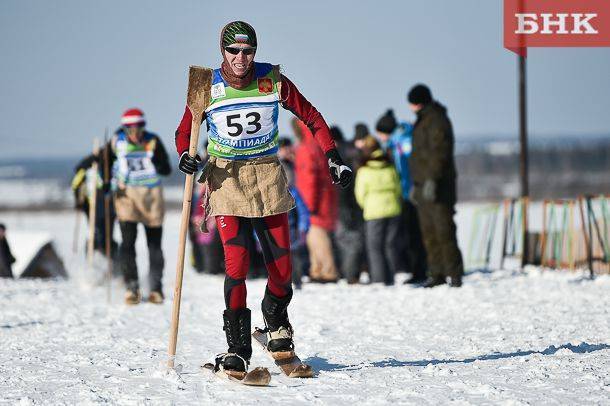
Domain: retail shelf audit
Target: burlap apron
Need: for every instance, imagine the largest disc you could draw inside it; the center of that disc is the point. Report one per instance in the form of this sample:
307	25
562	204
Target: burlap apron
140	204
246	188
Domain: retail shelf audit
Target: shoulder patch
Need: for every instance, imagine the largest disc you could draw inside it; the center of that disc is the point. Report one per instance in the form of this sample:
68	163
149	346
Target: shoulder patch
265	85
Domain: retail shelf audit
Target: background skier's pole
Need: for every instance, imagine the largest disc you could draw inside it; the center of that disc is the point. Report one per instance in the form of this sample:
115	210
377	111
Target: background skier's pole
107	197
92	204
198	98
76	231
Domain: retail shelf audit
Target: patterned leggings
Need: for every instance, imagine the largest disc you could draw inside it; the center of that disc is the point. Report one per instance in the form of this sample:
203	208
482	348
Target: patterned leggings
236	234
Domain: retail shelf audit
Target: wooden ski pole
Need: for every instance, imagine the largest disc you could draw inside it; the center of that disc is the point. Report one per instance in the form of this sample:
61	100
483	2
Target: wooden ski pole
92	206
107	196
197	100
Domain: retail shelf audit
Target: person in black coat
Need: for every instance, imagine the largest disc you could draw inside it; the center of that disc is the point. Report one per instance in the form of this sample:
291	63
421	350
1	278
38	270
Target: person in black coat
434	176
6	257
349	236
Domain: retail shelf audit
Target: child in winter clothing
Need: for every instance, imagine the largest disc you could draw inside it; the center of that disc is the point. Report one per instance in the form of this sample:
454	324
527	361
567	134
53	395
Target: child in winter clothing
378	192
396	139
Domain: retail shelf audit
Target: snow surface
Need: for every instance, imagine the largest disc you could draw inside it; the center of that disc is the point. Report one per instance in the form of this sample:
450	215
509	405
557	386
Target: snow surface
25	193
505	337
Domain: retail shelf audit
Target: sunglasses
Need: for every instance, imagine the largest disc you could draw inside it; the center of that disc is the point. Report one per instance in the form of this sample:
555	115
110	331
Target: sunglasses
236	50
133	126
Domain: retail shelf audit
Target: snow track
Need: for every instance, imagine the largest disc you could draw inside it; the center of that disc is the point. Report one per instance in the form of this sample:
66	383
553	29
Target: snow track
505	337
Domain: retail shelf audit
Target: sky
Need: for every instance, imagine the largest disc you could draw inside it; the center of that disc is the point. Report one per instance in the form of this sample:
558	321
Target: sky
70	68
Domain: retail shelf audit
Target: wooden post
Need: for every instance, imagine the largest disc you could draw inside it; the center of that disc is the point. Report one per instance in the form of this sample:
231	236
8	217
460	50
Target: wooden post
600	249
504	234
524	163
491	238
585	236
543	236
525	249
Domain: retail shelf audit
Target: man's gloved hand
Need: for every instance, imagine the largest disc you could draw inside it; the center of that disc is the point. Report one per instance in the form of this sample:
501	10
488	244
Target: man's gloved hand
189	164
339	172
428	191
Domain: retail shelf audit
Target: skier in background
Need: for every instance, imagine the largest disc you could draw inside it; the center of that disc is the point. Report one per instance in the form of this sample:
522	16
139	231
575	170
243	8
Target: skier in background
248	188
82	183
139	160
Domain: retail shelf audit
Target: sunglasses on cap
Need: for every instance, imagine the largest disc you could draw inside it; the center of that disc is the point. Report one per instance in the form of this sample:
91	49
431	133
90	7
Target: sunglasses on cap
237	50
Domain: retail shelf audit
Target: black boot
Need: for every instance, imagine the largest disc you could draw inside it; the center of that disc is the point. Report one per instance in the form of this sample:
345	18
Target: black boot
237	329
434	281
416	280
455	281
275	314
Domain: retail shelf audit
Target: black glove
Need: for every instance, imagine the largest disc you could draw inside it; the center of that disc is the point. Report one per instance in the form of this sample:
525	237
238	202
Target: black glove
339	172
188	164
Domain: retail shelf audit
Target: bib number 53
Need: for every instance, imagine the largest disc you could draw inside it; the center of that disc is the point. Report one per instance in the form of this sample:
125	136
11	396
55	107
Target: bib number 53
233	123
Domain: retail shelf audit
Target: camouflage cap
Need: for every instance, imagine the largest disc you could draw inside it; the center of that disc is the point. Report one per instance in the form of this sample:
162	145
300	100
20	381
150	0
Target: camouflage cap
237	32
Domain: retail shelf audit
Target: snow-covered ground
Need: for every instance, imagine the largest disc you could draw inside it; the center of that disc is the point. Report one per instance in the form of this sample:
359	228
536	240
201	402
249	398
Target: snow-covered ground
505	337
27	193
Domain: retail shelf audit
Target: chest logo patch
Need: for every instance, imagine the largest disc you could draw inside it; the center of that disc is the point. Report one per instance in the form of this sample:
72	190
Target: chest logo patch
265	85
218	90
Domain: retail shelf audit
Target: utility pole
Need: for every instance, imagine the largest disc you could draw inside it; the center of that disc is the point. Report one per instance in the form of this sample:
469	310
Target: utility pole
523	165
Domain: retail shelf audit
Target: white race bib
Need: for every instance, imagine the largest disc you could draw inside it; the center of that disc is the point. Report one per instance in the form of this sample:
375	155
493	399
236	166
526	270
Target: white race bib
244	123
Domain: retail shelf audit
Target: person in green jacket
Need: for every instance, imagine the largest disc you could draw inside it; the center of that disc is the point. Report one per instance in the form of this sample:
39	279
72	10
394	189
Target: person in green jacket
378	192
434	191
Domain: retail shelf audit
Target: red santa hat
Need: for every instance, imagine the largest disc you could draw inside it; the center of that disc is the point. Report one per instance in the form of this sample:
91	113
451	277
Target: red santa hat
133	117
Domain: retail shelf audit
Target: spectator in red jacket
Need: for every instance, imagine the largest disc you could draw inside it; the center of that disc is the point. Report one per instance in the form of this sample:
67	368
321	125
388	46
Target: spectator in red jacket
320	196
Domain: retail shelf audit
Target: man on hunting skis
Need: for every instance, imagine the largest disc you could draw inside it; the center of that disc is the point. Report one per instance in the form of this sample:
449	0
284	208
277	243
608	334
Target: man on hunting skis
138	160
248	190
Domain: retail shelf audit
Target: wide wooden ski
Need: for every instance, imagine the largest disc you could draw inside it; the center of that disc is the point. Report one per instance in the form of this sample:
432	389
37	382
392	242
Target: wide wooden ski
290	364
257	377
